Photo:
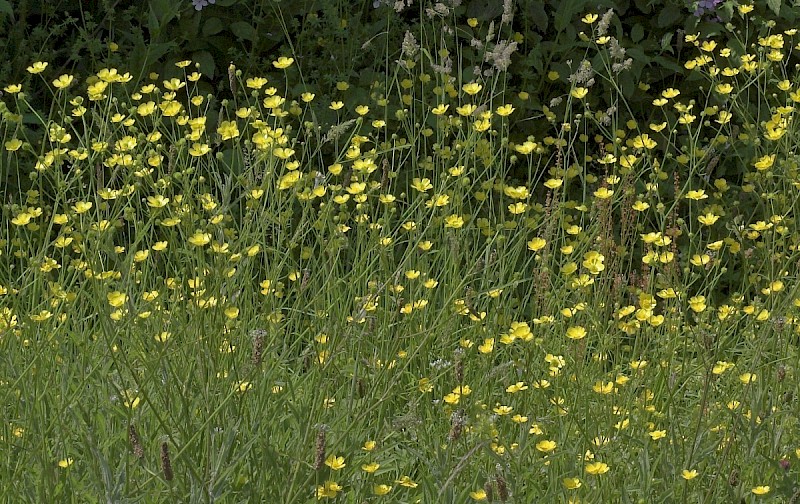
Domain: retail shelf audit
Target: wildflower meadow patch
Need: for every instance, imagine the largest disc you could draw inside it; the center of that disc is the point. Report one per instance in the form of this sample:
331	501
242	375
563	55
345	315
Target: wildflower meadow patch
225	300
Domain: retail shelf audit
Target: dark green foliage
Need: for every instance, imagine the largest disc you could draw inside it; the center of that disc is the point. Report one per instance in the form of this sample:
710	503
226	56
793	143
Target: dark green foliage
335	40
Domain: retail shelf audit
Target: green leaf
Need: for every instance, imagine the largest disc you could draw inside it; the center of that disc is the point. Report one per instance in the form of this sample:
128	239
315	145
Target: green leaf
534	59
628	87
637	33
212	26
639	55
484	10
243	30
668	16
5	8
566	12
161	13
152	23
206	61
666	42
775	6
538	16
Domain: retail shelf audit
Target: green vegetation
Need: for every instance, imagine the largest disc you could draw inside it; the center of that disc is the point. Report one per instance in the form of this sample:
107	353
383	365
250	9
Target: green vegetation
404	292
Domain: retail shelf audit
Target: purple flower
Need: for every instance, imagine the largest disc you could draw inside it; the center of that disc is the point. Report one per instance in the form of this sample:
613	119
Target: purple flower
199	4
706	5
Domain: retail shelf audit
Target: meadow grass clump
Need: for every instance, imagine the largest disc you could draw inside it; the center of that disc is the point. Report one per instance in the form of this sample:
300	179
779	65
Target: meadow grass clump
208	301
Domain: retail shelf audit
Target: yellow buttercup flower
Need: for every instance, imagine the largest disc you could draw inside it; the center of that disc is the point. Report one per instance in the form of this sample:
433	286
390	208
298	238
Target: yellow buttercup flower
283	62
63	81
472	88
200	239
597	468
37	67
579	93
689	475
589	18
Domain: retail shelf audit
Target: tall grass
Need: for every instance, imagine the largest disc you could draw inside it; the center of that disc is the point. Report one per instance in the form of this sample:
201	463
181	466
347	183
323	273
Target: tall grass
416	304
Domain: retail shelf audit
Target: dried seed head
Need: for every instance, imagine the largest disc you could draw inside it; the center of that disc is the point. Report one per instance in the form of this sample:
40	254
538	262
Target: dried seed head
136	443
246	158
166	464
488	489
319	454
502	487
460	371
258	346
781	373
508	12
733	479
457	422
385	175
232	77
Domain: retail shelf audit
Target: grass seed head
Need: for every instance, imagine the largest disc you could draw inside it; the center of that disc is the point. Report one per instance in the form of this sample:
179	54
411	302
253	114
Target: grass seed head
166	463
136	443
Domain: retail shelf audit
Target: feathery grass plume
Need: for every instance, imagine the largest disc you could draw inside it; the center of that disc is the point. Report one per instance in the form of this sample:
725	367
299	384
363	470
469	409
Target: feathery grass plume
584	75
400	5
438	10
446	68
336	131
166	464
500	55
508	12
458	419
410	47
605	22
319	449
257	336
136	443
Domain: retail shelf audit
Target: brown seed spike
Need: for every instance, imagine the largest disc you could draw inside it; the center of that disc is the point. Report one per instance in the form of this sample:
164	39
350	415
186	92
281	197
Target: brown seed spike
166	464
502	488
460	372
136	444
488	489
258	346
232	77
319	455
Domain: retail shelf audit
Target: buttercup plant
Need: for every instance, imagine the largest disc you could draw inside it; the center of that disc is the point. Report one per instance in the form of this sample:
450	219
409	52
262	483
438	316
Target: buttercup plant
443	312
